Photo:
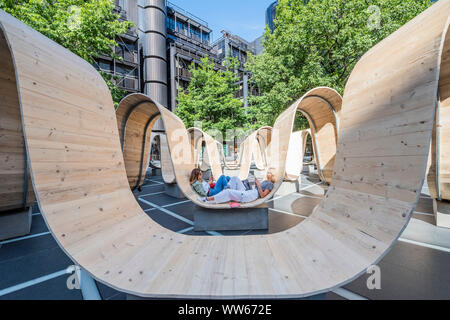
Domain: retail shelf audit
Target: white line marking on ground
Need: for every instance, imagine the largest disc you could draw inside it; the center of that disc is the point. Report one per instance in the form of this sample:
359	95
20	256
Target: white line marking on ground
424	214
426	245
173	214
289	213
348	294
150	180
169	205
25	238
157	182
185	230
214	233
151	194
151	186
176	216
303	189
32	282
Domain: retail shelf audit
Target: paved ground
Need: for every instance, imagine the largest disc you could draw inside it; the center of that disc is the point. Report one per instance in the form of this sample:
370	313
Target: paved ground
34	267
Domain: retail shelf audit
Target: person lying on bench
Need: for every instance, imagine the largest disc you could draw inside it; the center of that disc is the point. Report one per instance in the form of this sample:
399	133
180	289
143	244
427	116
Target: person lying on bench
238	192
203	189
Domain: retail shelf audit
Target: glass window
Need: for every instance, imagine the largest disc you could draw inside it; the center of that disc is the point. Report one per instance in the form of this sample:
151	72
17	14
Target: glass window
181	26
105	66
171	22
206	37
125	71
131	46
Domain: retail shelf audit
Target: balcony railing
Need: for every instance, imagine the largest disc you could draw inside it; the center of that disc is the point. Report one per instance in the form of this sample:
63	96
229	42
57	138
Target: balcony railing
128	83
127	56
183	73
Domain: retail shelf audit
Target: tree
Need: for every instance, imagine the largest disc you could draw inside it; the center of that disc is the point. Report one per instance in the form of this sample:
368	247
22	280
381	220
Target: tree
317	43
88	28
210	98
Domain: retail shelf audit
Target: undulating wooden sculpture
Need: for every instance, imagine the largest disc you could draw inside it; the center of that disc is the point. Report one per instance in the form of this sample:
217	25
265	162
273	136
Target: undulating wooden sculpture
135	121
16	191
439	159
211	155
255	149
296	154
79	176
323	115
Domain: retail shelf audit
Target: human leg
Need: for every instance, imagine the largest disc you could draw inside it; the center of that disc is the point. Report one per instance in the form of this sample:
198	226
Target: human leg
236	184
221	185
228	195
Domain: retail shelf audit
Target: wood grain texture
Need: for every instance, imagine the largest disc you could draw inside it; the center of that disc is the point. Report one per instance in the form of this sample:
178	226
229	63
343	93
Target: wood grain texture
13	166
439	161
135	121
255	149
82	188
211	155
322	111
296	154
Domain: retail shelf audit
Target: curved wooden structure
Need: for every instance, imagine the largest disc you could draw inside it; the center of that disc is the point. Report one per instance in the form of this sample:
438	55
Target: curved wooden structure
79	175
323	114
439	161
135	120
256	147
296	153
211	155
16	191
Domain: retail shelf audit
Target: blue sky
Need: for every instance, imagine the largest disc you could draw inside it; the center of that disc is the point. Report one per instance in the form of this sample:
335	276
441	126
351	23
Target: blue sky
245	18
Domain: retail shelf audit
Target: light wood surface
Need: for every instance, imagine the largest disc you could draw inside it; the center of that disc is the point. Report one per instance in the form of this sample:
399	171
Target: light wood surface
79	175
439	161
13	194
135	122
296	154
211	155
255	149
323	113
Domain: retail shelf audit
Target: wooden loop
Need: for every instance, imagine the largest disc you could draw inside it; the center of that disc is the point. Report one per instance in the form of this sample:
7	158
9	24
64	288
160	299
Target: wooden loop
79	175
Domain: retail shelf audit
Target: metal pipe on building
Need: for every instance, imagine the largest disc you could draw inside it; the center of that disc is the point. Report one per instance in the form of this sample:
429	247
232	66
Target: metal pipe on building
155	50
173	82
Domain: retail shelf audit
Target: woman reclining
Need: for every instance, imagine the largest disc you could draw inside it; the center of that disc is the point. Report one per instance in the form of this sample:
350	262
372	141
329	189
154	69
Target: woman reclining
226	189
203	189
238	193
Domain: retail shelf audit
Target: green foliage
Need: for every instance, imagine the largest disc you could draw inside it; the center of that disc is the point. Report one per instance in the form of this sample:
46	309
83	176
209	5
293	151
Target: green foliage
210	98
116	92
88	28
317	43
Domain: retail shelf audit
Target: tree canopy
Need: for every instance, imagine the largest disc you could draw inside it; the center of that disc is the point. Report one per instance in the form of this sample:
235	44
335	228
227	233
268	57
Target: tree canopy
317	43
210	98
88	28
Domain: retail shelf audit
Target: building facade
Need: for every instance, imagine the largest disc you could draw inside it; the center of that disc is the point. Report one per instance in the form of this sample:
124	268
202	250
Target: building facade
230	45
188	41
126	69
271	13
155	56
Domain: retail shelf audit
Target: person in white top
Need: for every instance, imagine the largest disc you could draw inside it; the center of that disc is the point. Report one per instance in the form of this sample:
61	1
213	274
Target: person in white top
238	193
